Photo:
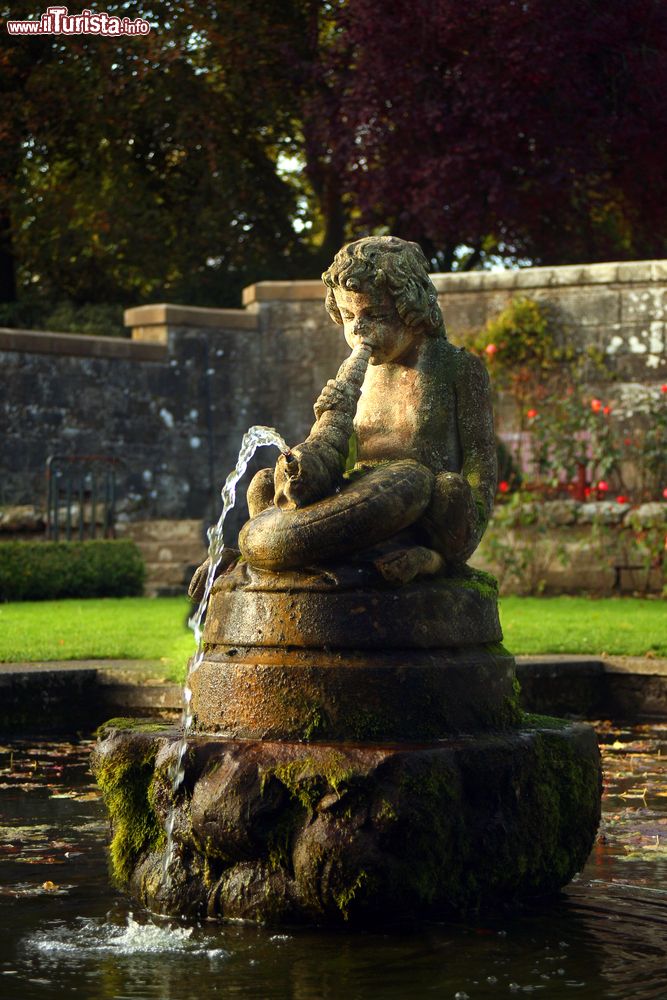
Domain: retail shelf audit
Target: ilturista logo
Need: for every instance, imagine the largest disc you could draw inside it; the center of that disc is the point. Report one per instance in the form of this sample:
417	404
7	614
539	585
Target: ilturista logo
59	21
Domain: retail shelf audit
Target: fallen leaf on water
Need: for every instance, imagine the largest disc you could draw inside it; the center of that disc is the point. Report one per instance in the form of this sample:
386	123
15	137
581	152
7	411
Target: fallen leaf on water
17	891
40	859
49	886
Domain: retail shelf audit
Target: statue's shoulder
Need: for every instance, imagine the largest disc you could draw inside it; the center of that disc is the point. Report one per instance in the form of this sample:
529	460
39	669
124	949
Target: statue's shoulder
462	363
470	374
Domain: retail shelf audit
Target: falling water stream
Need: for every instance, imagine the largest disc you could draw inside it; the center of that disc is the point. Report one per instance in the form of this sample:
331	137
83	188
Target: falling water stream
254	438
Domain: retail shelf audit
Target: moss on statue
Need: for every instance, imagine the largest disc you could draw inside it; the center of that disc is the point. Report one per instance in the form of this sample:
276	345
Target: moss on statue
308	779
344	897
483	583
137	725
272	832
126	780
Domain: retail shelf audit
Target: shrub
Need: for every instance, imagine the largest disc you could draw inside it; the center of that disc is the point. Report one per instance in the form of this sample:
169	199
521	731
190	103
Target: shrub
40	571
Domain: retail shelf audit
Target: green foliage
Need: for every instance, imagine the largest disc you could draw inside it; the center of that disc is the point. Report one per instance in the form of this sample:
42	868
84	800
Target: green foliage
638	546
149	169
529	337
569	434
35	571
518	564
567	438
102	319
508	470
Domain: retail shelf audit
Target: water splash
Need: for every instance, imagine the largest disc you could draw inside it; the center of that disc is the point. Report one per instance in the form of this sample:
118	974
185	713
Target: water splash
91	935
254	438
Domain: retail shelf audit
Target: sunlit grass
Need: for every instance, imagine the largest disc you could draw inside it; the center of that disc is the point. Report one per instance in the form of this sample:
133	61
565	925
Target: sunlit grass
133	628
618	626
140	628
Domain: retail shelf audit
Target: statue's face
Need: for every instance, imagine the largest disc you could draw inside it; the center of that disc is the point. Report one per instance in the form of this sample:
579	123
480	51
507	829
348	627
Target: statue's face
371	316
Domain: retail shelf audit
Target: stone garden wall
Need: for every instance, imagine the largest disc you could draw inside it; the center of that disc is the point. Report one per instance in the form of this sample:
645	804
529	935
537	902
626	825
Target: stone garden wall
174	400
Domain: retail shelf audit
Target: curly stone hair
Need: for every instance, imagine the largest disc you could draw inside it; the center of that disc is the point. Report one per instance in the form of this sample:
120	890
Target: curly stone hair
394	264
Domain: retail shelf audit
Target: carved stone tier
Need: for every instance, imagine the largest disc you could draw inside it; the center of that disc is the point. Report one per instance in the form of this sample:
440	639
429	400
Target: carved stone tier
347	607
268	693
326	655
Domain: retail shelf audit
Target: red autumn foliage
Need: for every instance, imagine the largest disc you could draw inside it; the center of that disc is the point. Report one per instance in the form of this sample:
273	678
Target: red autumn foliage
539	127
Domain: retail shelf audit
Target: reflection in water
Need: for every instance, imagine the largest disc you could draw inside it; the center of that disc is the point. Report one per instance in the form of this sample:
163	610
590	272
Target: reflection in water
67	933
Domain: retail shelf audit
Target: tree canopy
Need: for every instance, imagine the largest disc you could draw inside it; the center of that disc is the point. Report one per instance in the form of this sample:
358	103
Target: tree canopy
241	141
526	127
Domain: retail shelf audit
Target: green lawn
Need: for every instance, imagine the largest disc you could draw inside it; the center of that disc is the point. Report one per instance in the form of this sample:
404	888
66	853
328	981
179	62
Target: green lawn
134	628
618	626
155	629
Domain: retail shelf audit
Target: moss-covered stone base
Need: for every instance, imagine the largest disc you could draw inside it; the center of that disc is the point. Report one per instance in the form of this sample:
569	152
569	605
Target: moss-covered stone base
280	832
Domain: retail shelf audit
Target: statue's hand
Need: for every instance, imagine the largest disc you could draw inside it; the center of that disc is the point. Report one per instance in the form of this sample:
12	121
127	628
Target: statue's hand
300	478
333	396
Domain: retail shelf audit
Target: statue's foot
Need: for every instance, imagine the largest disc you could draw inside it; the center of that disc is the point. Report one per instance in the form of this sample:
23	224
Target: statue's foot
403	565
198	581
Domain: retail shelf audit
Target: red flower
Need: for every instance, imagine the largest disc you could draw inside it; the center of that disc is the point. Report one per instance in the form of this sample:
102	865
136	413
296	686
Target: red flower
587	491
491	349
627	441
603	486
504	487
531	414
664	493
596	405
663	388
622	499
606	410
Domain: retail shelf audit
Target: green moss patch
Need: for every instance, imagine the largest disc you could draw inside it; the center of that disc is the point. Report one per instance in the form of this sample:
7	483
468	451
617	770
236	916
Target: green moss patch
308	780
125	778
136	725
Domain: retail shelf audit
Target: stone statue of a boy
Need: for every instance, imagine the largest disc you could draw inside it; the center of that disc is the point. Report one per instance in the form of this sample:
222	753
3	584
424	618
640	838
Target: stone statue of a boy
420	410
422	399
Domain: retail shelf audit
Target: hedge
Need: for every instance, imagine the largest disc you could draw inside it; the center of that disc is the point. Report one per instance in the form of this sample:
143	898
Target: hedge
41	571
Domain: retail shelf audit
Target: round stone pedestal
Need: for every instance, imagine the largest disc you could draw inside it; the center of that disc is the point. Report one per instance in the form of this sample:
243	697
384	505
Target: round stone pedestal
278	831
274	694
333	654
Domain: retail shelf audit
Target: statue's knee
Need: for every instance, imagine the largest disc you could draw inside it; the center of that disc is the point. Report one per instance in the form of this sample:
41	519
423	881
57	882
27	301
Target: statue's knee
451	520
260	492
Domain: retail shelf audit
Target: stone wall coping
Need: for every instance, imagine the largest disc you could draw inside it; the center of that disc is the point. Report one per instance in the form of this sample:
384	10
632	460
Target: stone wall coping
475	281
78	345
619	272
167	314
284	291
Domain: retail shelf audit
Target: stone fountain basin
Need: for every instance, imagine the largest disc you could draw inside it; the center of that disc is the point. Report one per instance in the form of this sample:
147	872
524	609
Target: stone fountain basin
285	831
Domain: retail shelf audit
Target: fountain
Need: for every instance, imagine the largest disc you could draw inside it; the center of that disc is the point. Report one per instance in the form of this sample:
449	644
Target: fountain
353	747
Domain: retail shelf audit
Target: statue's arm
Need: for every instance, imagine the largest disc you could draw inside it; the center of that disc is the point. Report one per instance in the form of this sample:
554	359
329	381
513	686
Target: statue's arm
462	501
474	414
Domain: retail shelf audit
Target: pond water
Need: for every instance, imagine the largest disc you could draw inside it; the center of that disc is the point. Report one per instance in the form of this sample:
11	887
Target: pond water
66	932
